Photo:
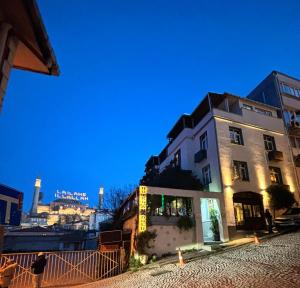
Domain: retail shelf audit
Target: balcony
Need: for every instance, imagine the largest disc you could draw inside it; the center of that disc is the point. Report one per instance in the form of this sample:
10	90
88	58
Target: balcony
275	156
297	160
200	155
294	128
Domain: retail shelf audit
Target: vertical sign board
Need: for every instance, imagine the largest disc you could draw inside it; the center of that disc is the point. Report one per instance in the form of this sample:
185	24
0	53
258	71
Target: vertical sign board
142	208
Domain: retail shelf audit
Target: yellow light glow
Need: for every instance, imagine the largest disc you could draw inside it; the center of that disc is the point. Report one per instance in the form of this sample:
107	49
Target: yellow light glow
289	179
266	199
246	125
261	176
142	208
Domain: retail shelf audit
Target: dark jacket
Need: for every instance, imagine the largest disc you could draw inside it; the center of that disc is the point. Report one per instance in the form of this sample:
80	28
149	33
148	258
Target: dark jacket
39	264
268	217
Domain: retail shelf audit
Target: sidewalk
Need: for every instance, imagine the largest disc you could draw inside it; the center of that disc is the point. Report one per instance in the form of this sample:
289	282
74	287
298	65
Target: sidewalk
215	248
188	257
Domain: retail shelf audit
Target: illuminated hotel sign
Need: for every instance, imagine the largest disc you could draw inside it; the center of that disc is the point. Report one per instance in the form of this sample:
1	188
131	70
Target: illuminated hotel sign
79	196
142	208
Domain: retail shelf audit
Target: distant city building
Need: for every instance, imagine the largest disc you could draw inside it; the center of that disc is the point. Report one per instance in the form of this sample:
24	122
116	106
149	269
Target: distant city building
98	217
283	91
11	205
24	43
65	212
48	239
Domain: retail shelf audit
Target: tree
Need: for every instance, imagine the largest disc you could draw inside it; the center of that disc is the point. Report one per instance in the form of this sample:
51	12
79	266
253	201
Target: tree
280	197
174	177
117	196
113	201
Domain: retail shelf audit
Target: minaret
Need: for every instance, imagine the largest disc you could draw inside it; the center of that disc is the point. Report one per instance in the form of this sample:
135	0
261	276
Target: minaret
35	200
101	194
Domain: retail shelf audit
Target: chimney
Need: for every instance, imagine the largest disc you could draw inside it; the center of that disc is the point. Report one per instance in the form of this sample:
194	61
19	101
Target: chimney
35	200
101	195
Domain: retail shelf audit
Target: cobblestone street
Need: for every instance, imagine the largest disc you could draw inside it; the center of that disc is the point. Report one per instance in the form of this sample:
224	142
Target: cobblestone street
273	263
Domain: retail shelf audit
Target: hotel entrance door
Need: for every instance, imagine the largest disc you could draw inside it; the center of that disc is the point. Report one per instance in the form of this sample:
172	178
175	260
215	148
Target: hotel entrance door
248	211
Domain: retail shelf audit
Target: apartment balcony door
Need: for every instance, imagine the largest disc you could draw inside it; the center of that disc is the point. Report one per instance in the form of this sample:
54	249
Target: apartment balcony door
248	211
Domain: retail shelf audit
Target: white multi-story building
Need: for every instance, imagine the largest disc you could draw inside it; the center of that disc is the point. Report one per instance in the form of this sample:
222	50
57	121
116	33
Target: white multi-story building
283	91
237	147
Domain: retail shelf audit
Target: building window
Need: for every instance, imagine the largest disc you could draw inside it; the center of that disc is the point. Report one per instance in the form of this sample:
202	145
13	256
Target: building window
263	111
269	143
275	175
236	135
163	205
206	175
248	107
203	141
289	90
240	171
258	110
177	159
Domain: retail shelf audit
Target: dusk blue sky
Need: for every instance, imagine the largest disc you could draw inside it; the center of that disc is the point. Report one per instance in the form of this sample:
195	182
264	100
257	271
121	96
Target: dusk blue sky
129	69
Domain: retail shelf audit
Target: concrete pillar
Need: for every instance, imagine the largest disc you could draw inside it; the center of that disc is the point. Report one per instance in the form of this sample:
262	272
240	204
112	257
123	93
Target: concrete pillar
198	222
224	235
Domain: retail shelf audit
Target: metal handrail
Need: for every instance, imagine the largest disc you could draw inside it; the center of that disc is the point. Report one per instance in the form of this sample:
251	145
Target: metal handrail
67	267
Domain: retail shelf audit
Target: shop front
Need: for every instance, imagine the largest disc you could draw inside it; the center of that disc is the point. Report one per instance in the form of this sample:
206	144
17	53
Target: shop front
248	211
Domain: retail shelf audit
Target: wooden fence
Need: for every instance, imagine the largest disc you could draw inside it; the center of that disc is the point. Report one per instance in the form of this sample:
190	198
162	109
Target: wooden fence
67	268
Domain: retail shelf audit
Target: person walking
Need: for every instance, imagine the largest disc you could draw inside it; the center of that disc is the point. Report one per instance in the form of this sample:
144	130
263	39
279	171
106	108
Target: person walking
269	220
7	272
38	267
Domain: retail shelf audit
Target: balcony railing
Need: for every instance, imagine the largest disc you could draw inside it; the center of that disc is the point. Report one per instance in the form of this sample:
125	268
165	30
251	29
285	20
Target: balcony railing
275	156
294	128
200	155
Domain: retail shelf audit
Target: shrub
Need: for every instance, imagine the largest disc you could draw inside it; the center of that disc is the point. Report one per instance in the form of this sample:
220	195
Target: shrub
134	263
214	226
185	223
143	240
280	197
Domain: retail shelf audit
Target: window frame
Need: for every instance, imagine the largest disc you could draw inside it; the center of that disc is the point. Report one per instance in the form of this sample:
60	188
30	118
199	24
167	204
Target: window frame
276	171
206	172
235	131
269	141
242	169
203	139
177	158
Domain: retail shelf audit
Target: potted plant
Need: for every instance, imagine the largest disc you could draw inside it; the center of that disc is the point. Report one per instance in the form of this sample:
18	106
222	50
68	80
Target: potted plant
214	226
142	243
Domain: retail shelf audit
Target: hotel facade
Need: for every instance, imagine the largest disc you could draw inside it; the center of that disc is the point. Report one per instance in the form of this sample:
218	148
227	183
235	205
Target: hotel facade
236	147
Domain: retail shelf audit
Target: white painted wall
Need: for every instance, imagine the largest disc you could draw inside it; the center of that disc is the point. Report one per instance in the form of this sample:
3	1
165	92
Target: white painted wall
221	152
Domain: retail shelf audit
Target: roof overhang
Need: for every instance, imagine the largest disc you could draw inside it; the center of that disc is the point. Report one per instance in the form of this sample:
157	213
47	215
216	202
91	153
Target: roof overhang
34	51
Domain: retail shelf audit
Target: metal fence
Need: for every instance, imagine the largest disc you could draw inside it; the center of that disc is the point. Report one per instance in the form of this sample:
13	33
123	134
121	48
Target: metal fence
67	268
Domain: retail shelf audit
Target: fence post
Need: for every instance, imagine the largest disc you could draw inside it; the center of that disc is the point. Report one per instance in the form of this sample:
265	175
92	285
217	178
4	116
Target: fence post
122	258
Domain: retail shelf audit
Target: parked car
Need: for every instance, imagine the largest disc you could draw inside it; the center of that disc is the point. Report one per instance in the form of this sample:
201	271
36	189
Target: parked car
289	218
